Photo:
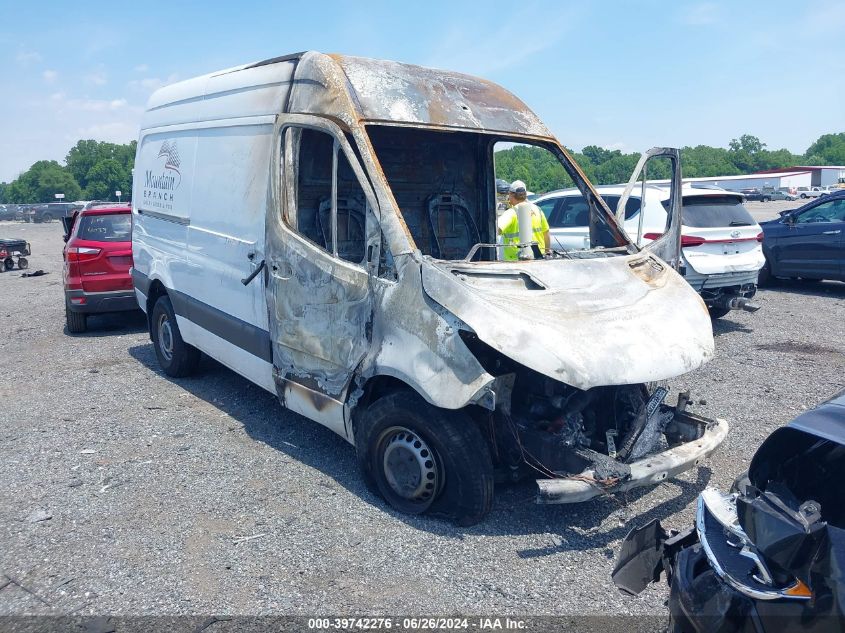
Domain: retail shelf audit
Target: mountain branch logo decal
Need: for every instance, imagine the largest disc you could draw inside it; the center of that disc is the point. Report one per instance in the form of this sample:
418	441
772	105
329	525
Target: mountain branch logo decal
171	155
163	180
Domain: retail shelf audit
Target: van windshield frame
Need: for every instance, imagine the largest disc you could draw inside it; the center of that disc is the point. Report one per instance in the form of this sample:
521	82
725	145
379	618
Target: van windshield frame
447	177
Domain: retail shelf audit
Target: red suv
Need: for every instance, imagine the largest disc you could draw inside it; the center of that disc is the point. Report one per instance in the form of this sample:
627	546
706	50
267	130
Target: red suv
98	257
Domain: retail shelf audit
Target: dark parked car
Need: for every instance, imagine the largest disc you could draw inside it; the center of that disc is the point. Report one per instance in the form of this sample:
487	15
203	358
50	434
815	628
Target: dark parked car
50	211
98	257
756	194
806	243
769	556
777	194
7	212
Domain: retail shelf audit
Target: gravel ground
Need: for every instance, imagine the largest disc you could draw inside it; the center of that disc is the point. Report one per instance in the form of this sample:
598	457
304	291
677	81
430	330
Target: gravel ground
203	495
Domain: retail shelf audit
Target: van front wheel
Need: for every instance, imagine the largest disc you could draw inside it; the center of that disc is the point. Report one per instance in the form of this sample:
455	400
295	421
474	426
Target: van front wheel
423	459
175	356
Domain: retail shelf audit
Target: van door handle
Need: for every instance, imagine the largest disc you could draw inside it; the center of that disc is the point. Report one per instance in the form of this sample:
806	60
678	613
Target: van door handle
245	281
832	232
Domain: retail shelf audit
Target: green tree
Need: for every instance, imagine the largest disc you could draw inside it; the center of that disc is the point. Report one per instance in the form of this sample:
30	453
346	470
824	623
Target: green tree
598	155
104	178
829	149
537	167
87	154
41	182
743	152
703	160
619	169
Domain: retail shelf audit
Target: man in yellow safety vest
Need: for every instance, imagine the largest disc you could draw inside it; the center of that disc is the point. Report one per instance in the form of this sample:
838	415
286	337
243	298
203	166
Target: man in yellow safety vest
508	222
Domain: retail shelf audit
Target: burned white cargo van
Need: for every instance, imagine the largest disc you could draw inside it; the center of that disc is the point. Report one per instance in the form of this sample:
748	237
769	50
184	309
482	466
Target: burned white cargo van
326	227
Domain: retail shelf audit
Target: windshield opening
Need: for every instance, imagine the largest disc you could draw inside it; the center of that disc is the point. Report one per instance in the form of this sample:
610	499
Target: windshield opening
452	189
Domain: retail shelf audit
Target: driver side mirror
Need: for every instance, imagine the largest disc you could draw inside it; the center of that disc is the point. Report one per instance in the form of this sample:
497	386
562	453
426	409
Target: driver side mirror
789	219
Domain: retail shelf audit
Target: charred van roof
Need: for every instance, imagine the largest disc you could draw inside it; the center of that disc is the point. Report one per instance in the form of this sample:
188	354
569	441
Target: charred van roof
358	90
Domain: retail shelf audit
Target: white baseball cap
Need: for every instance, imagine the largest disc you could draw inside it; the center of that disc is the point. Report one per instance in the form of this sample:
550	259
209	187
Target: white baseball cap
517	186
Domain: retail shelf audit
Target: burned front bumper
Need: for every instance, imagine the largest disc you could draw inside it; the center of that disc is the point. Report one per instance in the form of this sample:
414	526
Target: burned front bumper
647	471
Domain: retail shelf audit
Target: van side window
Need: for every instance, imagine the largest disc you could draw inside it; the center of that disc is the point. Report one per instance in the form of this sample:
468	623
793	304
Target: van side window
330	203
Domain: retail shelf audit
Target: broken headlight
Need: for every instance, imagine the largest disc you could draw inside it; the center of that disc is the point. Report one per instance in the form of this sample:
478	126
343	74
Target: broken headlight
734	557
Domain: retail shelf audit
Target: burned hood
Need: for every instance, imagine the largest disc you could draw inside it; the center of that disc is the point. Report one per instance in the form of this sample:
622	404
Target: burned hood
585	322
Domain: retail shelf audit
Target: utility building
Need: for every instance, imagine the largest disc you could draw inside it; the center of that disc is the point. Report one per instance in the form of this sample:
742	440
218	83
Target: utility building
820	175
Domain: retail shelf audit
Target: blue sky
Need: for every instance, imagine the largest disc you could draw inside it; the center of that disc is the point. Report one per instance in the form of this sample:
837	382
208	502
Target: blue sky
626	75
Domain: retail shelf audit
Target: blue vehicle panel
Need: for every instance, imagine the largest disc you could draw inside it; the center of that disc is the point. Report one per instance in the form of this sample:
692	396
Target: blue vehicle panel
808	242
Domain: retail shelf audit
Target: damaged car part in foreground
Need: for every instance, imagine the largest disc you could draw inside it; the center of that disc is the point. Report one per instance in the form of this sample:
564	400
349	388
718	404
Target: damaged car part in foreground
768	556
362	283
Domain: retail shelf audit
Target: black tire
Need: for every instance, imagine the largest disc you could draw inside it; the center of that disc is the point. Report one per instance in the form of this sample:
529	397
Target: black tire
175	356
77	322
441	464
8	263
718	313
47	217
23	263
765	277
803	197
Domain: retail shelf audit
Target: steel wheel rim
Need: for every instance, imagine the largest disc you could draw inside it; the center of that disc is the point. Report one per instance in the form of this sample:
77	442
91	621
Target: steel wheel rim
165	337
410	466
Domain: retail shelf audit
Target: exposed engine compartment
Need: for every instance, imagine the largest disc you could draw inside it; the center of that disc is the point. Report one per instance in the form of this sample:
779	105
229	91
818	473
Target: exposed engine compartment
548	427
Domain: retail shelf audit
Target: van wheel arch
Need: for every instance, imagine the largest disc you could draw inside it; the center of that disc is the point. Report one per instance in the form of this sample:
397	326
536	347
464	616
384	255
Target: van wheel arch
457	453
157	290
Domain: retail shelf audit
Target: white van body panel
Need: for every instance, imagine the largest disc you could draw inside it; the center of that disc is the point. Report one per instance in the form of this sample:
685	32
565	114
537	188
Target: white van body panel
201	179
238	360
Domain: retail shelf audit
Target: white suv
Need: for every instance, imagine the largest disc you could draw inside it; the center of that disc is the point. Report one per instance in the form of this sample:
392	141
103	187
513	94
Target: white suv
721	252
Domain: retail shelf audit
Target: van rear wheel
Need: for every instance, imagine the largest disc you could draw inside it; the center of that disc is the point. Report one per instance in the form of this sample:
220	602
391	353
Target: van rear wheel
423	459
175	356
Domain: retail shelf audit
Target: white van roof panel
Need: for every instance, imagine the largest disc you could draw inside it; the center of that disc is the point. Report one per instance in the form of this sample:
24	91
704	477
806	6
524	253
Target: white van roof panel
351	89
243	91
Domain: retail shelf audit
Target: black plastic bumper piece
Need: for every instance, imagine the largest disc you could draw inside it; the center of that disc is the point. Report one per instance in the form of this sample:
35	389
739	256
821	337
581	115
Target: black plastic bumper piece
97	302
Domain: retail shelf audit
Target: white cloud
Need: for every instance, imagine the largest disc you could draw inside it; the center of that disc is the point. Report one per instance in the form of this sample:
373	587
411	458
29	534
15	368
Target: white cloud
25	58
822	18
114	132
59	102
489	55
98	78
151	84
141	68
96	105
50	76
700	14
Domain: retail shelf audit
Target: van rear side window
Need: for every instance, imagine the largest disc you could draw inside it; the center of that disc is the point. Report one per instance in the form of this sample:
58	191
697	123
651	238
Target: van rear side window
115	227
319	181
